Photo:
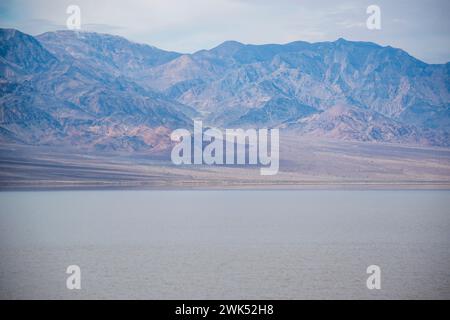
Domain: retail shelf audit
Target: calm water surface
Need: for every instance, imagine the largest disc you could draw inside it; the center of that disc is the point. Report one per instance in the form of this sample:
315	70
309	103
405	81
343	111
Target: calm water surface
225	244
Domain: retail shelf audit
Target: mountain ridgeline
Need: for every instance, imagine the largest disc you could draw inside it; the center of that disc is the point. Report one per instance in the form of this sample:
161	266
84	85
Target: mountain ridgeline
103	92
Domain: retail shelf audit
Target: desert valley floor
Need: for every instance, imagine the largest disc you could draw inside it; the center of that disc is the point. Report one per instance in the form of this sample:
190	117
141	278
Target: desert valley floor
304	163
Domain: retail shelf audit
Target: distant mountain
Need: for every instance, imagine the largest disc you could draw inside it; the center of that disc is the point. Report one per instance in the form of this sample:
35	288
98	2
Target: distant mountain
21	54
277	111
103	52
321	75
62	95
104	92
279	85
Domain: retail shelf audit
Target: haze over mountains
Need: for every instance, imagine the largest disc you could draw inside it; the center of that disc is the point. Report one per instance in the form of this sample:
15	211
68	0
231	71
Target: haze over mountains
104	92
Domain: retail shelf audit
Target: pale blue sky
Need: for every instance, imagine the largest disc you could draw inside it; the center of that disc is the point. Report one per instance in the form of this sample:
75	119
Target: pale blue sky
420	27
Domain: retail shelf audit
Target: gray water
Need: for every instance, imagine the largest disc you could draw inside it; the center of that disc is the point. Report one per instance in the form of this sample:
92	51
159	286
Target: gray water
225	244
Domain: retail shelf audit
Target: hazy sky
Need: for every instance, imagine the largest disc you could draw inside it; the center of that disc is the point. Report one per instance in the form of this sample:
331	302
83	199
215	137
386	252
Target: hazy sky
420	27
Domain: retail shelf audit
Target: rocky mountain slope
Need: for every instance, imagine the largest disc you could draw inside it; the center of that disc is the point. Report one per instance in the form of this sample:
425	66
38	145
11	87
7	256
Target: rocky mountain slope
54	98
104	92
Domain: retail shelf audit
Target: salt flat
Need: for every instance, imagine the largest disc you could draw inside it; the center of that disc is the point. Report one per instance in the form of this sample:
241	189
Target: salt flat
304	163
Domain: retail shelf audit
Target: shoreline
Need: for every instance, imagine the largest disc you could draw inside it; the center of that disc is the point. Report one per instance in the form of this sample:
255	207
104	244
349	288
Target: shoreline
247	187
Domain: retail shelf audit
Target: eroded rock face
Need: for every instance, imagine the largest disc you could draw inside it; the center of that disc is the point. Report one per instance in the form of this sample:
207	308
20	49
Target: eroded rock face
107	93
55	94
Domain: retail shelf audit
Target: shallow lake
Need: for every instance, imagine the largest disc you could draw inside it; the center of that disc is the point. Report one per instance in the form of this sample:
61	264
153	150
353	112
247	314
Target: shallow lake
225	244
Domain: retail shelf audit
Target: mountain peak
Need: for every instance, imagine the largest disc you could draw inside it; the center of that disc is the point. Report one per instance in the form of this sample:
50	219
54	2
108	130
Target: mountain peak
116	52
230	43
227	48
344	42
23	51
82	36
6	34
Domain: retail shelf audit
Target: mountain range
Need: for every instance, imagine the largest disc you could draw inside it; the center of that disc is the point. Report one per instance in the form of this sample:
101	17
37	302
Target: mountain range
103	92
